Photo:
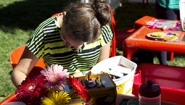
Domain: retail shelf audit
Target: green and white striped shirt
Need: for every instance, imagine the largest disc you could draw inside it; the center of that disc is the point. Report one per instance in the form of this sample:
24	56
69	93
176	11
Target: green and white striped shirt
46	43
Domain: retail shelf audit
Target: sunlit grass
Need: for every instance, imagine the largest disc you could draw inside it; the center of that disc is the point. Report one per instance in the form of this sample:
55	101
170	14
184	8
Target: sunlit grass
18	18
9	41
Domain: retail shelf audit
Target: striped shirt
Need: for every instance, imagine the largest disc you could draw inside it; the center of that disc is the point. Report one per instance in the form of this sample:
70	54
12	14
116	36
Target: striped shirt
46	43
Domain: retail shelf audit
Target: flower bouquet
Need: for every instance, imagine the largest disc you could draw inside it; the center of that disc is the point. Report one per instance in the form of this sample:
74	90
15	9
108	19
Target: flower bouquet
54	86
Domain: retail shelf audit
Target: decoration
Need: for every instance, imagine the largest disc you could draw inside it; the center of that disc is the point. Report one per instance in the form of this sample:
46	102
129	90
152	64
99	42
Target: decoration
165	36
55	76
54	86
173	25
31	90
47	87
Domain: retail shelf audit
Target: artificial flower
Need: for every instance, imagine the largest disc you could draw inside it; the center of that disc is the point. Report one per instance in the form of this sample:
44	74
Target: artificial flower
31	89
56	98
78	88
55	75
52	81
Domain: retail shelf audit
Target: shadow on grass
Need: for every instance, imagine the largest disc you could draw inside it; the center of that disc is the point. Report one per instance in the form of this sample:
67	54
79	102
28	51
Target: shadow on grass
28	14
130	12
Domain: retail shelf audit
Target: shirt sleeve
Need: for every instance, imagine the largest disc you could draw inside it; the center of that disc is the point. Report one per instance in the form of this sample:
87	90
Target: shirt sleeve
106	35
35	42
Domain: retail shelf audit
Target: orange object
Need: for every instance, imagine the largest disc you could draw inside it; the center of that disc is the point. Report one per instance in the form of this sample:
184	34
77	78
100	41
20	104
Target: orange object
169	78
113	25
16	54
56	14
141	22
121	35
11	98
138	40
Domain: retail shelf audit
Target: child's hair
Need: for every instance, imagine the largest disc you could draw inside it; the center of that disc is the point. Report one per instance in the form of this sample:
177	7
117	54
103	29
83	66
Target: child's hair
84	20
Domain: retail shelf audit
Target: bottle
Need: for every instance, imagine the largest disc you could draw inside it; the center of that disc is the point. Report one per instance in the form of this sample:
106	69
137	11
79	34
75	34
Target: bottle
149	94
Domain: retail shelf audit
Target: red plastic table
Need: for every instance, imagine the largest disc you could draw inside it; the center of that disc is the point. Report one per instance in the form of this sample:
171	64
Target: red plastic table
138	40
142	21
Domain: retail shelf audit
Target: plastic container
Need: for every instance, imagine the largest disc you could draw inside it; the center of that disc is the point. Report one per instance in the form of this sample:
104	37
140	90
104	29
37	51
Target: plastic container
149	94
170	79
182	13
14	103
123	84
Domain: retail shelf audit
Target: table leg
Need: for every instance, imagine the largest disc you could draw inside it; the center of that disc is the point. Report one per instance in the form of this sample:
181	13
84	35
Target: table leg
128	52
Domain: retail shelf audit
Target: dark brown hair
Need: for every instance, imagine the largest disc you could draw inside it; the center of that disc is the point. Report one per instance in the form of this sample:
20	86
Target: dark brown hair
84	20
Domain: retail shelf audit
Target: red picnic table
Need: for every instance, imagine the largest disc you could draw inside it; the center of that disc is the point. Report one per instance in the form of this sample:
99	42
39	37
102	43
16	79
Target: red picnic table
138	40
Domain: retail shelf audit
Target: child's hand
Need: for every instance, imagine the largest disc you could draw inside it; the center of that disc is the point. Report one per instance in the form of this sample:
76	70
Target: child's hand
79	73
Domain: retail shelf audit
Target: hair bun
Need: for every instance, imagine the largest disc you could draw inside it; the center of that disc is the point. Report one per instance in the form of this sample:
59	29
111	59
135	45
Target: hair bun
103	12
99	1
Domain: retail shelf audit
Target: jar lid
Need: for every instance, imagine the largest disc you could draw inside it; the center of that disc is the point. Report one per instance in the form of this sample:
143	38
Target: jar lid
149	89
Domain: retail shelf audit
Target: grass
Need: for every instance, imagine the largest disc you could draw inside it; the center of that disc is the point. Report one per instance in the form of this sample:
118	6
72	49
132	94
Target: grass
20	17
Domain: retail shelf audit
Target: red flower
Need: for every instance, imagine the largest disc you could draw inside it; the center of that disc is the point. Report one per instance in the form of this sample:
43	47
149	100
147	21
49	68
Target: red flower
78	88
31	89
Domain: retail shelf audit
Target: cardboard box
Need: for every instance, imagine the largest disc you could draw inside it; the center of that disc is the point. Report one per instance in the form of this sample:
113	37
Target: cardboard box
104	95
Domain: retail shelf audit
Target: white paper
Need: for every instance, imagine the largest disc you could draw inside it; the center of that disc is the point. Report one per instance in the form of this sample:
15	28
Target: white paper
182	13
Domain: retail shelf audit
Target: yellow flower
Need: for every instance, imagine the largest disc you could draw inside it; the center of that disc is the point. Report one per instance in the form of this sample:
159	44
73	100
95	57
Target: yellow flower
56	98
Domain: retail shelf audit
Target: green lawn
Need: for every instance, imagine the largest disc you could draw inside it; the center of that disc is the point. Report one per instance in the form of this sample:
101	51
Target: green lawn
18	18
